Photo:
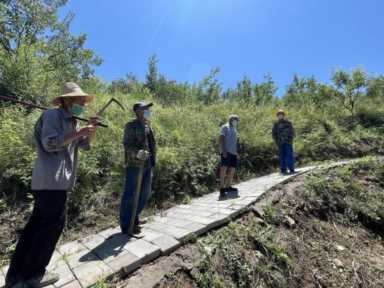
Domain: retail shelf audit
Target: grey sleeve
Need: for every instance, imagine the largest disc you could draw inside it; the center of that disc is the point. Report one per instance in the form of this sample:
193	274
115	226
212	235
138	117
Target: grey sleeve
52	136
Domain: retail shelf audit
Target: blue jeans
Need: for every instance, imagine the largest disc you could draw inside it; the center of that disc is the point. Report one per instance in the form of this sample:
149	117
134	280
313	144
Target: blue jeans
287	161
126	206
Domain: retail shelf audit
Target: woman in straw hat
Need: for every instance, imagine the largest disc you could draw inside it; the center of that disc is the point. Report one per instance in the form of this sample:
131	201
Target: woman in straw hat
58	139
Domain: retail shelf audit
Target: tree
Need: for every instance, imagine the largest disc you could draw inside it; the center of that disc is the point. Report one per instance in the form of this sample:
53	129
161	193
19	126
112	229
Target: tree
127	85
244	90
152	76
375	89
209	89
264	92
308	92
351	88
37	51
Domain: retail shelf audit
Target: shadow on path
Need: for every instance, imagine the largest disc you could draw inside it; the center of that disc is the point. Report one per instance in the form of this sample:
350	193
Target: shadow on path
112	247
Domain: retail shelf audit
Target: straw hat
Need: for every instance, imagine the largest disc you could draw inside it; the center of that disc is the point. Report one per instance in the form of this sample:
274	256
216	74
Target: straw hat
280	111
71	89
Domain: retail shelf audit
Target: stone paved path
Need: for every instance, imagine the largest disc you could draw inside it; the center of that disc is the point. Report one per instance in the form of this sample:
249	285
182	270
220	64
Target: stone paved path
83	262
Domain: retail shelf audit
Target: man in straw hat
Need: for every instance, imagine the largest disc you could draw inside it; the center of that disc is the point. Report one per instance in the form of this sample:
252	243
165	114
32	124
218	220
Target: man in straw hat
229	156
283	135
58	139
140	157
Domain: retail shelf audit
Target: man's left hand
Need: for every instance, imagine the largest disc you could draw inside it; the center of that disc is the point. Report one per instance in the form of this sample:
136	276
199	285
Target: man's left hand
94	121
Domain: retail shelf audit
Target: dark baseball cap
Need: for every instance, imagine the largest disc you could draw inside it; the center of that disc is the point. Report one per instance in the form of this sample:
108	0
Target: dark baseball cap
141	106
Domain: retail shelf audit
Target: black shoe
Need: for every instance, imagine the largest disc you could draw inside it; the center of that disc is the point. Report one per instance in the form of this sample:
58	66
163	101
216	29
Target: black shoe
124	231
47	279
136	229
21	284
223	192
234	189
293	172
284	173
14	283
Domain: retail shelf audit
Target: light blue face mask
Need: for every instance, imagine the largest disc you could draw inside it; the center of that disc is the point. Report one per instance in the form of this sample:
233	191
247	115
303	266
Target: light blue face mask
147	114
77	109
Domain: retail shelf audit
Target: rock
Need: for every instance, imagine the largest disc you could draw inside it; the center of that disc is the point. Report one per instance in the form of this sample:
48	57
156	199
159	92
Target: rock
258	210
339	248
289	221
258	254
259	221
338	263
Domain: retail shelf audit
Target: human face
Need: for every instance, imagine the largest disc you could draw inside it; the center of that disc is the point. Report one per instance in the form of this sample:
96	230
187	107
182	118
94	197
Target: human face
70	101
140	113
280	116
75	105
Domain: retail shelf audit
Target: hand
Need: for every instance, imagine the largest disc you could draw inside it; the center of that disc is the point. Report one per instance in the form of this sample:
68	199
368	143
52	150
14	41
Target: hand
225	154
143	155
94	121
87	131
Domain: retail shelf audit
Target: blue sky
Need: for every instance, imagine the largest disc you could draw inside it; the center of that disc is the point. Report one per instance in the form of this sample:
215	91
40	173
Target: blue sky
242	37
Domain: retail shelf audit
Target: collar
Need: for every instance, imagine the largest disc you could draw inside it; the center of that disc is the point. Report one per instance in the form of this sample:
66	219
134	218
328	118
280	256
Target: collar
65	113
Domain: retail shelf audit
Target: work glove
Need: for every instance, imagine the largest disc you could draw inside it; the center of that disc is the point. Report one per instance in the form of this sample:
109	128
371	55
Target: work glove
143	155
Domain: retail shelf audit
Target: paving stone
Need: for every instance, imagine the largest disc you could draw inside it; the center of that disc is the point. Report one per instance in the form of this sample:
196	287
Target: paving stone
196	228
167	244
73	284
125	261
55	261
2	280
81	257
65	274
150	235
178	233
143	250
4	270
110	232
89	273
181	214
112	247
70	248
184	223
53	265
192	212
92	241
209	223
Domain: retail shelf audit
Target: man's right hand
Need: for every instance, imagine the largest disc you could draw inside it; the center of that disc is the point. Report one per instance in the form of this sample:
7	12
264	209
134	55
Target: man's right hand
143	155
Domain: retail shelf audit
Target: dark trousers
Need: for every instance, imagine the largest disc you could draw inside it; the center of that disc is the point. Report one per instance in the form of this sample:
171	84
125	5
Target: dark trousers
287	161
39	238
131	175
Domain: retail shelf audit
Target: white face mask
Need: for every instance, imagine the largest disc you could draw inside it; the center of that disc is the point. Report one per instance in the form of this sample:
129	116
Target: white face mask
147	114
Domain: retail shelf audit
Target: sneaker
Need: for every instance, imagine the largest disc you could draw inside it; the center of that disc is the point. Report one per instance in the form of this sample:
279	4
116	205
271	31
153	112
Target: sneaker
284	173
47	279
230	188
293	172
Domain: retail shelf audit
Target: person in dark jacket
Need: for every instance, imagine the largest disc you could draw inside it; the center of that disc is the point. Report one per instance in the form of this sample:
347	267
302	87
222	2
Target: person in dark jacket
283	134
140	149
